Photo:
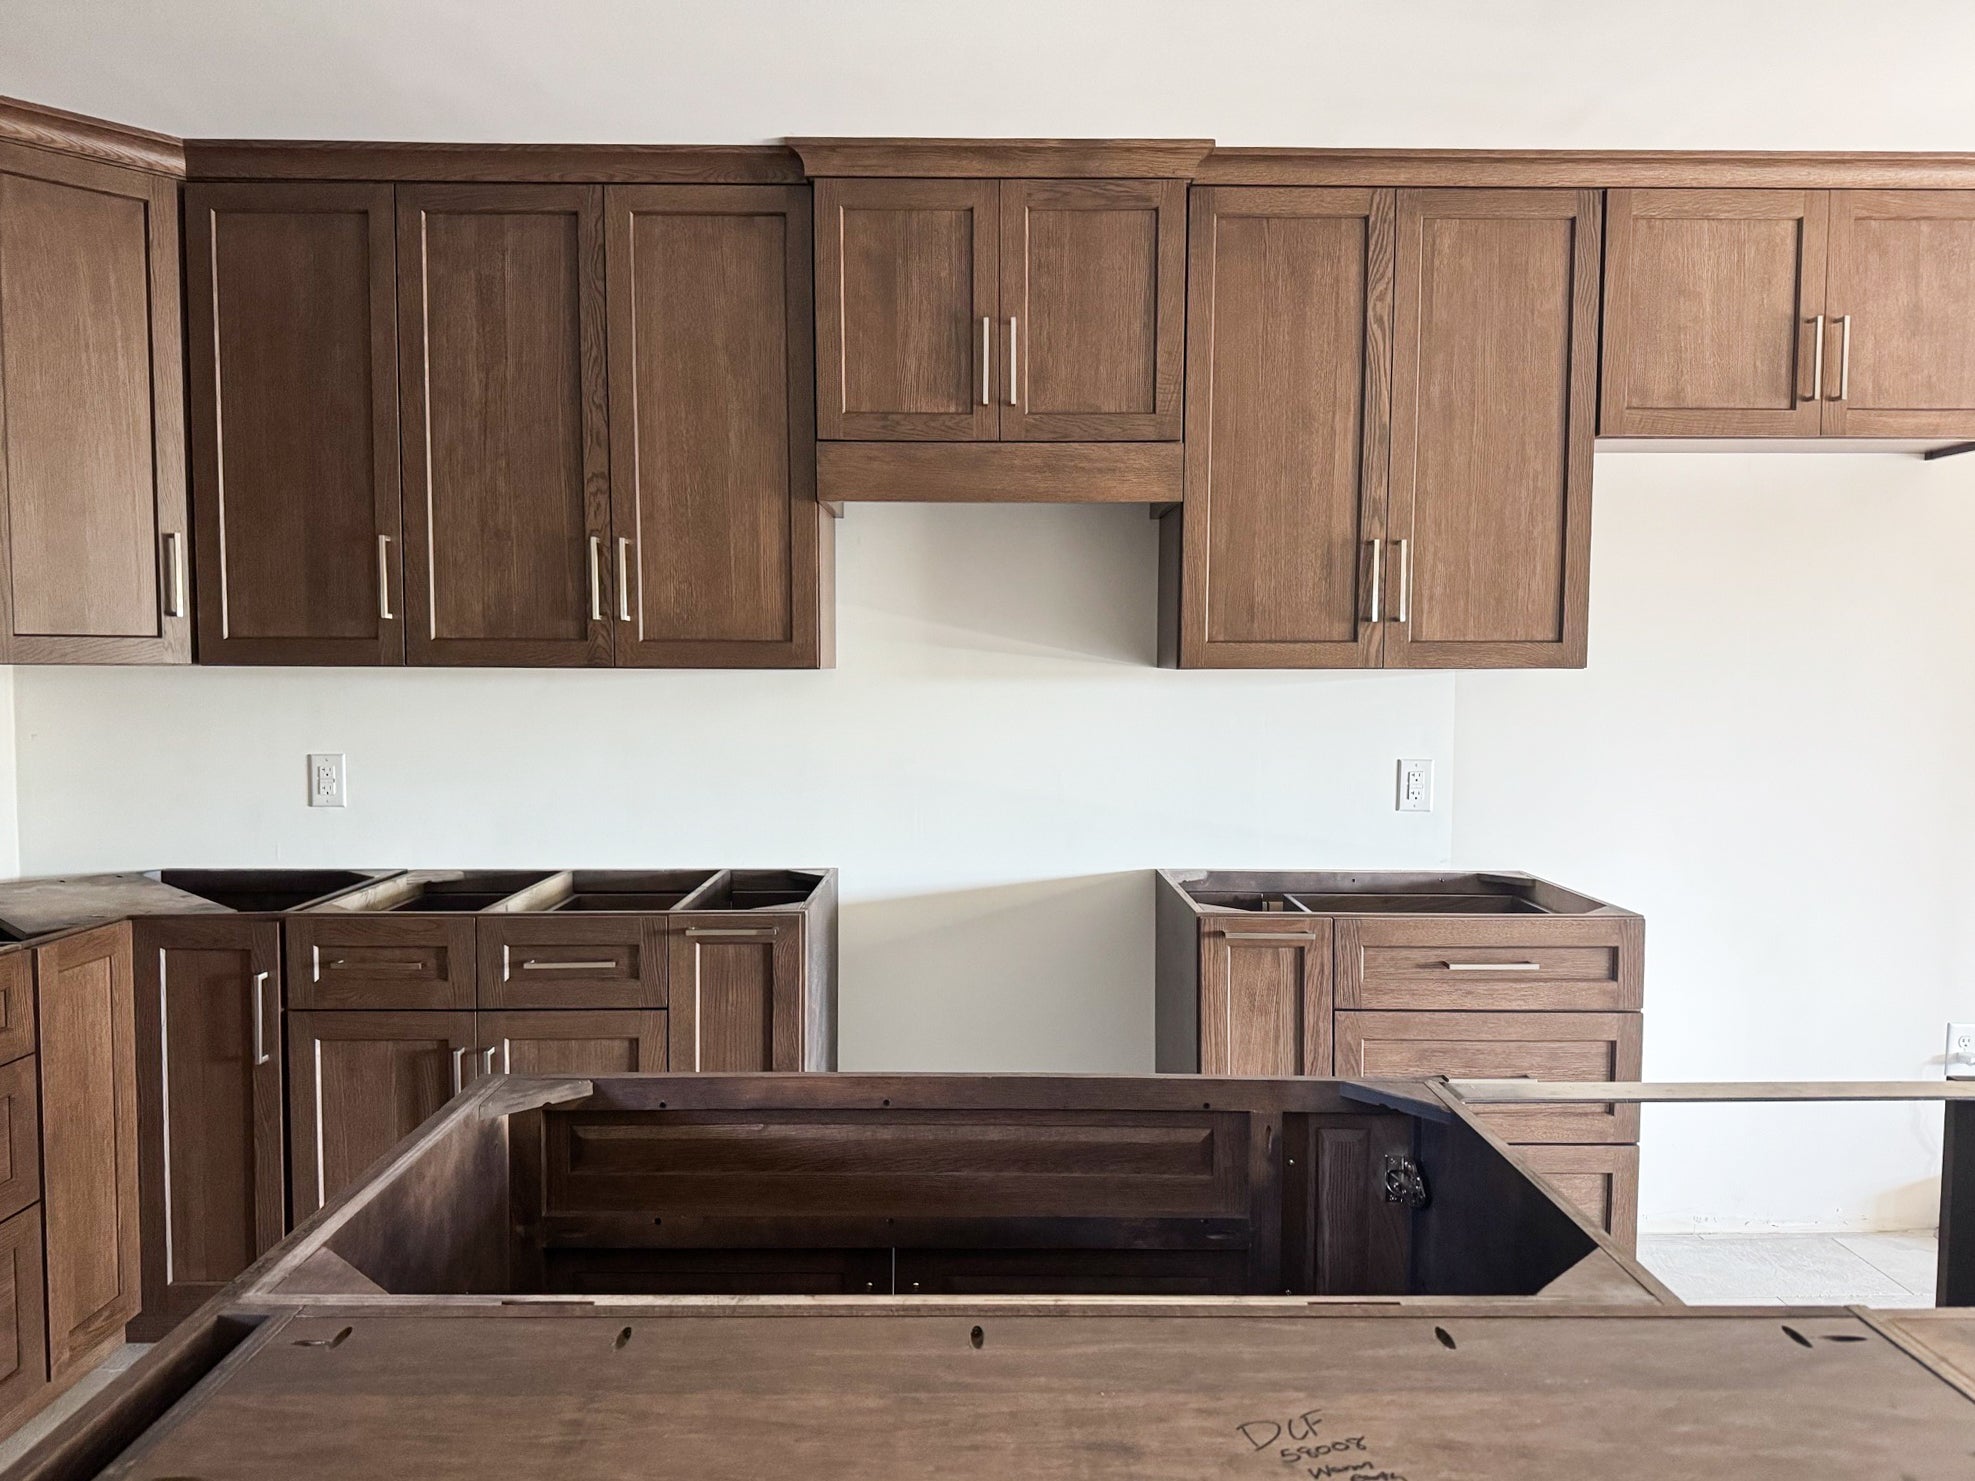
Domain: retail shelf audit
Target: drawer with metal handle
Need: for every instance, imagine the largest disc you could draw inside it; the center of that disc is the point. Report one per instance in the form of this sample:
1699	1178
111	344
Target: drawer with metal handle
380	961
572	961
1520	964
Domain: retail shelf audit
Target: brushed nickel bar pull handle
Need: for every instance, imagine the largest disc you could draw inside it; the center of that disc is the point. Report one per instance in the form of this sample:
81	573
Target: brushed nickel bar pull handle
623	579
1378	580
1844	357
1303	937
261	1056
758	935
507	1056
543	966
1817	359
459	1068
1405	612
373	966
1014	392
987	357
487	1060
596	581
175	582
1493	966
384	579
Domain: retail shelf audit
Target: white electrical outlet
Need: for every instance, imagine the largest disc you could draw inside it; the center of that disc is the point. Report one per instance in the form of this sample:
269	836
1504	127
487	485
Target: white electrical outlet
326	787
1415	786
1961	1051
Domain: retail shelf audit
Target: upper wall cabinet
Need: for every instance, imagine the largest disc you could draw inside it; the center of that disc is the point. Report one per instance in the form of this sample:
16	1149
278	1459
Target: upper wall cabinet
507	472
92	438
291	305
1390	416
1804	313
719	543
1011	310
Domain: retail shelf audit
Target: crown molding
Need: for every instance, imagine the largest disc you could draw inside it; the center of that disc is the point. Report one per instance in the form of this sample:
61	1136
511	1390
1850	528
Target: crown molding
90	138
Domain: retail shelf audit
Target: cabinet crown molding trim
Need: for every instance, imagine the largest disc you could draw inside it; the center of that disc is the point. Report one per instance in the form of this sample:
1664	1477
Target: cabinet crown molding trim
90	138
1014	159
306	159
1588	169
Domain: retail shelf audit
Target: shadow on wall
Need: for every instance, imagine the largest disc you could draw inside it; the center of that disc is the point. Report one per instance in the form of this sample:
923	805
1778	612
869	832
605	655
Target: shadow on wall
1045	975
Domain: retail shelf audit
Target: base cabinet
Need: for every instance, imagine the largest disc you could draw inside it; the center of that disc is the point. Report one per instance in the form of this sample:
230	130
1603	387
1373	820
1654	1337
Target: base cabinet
212	1178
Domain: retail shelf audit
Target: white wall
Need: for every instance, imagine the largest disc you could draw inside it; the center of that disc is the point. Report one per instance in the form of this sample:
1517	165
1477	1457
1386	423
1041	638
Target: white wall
1765	756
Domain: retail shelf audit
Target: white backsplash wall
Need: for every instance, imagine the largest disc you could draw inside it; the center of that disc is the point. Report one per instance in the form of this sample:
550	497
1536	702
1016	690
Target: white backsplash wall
1764	756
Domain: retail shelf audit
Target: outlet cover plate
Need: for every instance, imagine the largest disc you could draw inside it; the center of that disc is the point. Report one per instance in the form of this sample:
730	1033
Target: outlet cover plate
326	781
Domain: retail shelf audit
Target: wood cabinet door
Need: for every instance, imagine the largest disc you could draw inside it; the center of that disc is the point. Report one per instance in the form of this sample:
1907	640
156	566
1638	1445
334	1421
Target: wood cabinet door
1712	304
16	1003
92	420
1093	307
1265	997
1495	356
905	302
211	1175
353	960
576	1042
719	544
292	309
736	994
84	990
23	1313
1602	1181
360	1083
20	1136
1900	354
1288	428
507	462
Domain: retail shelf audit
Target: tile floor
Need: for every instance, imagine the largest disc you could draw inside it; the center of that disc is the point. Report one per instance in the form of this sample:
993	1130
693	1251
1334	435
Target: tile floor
1878	1269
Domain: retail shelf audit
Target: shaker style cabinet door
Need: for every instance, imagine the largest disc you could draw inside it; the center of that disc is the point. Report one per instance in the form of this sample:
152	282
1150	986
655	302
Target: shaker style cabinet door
1093	310
211	1171
906	294
735	995
506	469
1495	356
1713	304
1288	421
92	422
584	1041
292	309
719	545
1265	997
1899	357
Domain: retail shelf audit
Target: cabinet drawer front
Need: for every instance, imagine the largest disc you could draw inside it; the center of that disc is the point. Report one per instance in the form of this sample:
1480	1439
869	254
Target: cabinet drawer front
1504	1046
585	1042
24	1349
1490	965
1601	1181
20	1137
548	961
16	1005
380	961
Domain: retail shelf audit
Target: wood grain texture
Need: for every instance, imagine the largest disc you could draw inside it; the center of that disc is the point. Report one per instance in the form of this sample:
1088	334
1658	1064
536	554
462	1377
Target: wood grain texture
41	127
1541	1046
605	960
23	1317
735	991
391	961
1093	278
1902	270
1711	299
1581	169
598	164
905	278
1494	401
92	478
85	989
507	459
1000	473
585	1042
1265	998
712	427
1288	428
1483	965
20	1136
359	1084
212	1163
292	313
1061	159
1602	1181
16	1004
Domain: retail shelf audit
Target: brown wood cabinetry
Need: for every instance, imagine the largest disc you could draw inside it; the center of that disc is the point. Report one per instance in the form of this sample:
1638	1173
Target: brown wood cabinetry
718	539
507	475
23	1315
1010	310
1603	1181
1265	997
212	1172
736	995
575	1042
361	1082
348	960
84	991
1750	313
291	305
92	436
609	960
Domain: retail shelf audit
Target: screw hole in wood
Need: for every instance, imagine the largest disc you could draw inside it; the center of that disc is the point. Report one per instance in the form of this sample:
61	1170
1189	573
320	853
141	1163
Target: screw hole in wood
623	1337
1797	1337
337	1341
1444	1338
978	1338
